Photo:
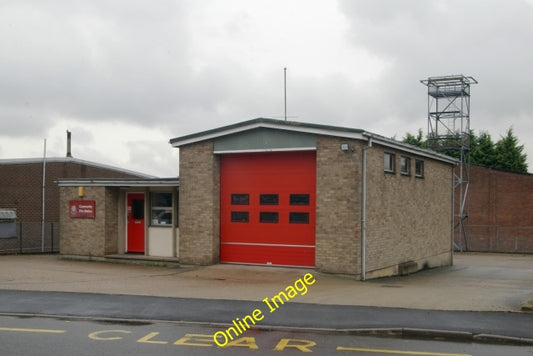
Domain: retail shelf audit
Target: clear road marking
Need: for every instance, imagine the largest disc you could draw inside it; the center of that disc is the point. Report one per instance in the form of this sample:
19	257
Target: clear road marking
96	335
49	331
398	352
302	345
148	339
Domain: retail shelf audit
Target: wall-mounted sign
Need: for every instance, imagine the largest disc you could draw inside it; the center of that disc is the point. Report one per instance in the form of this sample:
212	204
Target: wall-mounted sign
85	209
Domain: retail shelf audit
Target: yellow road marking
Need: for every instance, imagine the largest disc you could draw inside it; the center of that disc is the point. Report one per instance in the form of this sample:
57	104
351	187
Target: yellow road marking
96	335
398	352
49	331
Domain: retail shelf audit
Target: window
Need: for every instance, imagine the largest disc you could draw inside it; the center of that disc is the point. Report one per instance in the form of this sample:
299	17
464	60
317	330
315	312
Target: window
240	216
161	209
240	199
405	165
268	199
268	217
298	218
389	160
137	208
419	168
299	199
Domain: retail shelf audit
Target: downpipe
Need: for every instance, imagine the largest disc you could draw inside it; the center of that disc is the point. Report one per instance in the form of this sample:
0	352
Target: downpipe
363	209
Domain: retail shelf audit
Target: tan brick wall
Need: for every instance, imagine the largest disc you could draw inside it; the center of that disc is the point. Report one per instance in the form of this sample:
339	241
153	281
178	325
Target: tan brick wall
338	206
408	218
111	220
199	218
83	236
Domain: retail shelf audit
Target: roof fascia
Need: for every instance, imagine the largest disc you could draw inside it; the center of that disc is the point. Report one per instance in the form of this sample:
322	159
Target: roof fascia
103	182
315	129
270	124
383	141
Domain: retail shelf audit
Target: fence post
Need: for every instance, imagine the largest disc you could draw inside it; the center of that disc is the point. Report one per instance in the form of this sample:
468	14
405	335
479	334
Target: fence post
52	237
20	236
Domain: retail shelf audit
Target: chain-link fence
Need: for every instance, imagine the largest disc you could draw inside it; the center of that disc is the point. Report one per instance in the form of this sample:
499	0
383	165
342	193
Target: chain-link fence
496	238
30	239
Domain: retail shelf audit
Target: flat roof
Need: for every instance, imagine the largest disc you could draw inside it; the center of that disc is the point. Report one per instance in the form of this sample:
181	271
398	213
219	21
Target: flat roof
310	128
12	161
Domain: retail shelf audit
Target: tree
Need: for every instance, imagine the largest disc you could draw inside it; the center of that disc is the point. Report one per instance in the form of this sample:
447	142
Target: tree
482	150
505	154
509	154
418	141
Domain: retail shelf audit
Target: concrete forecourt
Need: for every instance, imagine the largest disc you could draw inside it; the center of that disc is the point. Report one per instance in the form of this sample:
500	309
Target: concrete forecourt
240	326
480	295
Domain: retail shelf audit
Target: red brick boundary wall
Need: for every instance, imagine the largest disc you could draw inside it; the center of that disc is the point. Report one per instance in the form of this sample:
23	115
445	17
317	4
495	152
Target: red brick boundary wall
501	211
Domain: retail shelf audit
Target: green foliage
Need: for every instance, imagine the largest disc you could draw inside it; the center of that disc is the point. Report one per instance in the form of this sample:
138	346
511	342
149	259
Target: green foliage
509	155
418	141
506	154
482	150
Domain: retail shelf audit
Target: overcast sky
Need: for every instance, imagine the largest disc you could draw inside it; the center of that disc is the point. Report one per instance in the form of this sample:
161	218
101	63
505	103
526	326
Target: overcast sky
126	76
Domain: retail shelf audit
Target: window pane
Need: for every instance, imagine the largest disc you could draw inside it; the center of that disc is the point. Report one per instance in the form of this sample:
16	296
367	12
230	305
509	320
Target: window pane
161	216
240	216
299	199
240	199
405	165
299	218
419	168
268	199
161	209
268	217
389	159
162	199
137	208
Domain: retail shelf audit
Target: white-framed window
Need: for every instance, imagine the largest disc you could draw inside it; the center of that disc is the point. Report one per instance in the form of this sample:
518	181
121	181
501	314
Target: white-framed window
161	208
389	162
405	165
419	168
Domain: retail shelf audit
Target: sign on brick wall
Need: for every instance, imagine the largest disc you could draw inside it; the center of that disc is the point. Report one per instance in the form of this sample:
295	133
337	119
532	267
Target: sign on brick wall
84	209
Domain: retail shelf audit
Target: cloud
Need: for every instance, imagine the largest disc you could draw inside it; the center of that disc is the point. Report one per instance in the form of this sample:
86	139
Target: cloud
152	71
104	61
485	39
488	40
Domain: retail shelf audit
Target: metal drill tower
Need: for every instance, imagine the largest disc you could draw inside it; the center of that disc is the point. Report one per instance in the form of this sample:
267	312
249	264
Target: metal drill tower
449	133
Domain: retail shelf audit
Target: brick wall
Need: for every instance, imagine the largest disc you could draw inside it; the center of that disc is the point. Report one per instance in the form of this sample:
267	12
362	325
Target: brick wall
500	211
90	237
21	189
21	186
338	206
408	218
83	236
111	220
199	218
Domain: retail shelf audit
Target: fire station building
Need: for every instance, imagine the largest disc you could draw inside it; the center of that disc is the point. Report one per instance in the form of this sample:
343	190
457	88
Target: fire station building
280	193
341	200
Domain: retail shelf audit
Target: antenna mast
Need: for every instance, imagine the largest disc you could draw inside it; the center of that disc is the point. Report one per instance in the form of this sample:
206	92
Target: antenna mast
285	90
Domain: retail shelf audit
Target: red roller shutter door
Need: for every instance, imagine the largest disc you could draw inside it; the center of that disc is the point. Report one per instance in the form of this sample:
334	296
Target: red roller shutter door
267	208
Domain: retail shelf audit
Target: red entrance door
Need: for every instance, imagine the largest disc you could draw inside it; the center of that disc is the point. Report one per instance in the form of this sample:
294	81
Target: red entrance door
135	236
